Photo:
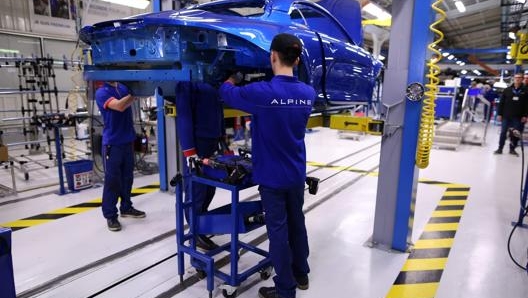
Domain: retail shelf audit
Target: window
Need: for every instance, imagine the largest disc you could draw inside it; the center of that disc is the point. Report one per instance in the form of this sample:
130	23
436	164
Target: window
318	22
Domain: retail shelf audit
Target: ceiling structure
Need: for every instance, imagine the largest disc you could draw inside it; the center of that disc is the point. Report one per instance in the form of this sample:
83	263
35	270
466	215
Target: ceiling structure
482	30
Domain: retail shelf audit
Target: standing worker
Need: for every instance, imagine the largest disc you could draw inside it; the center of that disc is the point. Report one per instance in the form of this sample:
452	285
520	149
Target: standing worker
114	101
512	111
200	125
280	110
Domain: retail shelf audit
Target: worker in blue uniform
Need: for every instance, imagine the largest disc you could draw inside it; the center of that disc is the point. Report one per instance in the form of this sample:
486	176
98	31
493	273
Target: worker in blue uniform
280	110
114	101
200	127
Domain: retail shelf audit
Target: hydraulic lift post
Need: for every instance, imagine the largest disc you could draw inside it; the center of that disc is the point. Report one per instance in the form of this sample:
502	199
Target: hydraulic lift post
397	181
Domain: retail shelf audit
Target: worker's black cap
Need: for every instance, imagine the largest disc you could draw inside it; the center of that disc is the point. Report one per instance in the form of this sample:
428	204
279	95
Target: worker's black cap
287	44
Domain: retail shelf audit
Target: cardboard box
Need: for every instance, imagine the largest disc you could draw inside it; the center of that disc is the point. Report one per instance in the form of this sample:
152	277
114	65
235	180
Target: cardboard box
3	153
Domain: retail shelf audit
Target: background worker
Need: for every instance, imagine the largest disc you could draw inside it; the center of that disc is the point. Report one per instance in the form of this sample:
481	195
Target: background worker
114	101
280	110
512	111
200	126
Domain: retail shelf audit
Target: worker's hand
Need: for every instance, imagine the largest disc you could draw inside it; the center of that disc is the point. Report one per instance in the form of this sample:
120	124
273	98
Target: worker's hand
236	78
248	125
123	90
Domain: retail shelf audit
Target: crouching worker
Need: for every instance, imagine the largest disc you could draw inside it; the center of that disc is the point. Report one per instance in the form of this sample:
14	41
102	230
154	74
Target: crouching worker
114	101
200	126
280	110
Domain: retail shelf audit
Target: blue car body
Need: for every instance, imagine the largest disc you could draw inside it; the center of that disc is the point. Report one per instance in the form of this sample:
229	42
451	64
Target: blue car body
207	42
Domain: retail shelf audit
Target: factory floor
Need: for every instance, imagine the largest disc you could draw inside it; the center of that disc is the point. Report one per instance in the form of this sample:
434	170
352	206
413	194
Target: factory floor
77	256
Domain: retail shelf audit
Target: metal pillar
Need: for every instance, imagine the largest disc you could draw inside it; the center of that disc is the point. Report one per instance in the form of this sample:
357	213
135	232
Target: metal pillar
397	181
162	149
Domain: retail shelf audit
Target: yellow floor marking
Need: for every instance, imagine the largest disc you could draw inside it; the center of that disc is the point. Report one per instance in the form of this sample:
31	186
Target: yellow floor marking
144	190
25	223
98	200
424	264
433	227
456	193
451	202
434	243
423	290
447	213
71	210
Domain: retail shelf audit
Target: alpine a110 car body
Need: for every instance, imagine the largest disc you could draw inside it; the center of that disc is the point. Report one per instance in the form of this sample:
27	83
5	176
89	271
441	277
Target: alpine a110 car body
207	42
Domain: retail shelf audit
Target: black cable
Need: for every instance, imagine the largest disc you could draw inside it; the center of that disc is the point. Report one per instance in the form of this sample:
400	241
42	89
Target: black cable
509	241
523	208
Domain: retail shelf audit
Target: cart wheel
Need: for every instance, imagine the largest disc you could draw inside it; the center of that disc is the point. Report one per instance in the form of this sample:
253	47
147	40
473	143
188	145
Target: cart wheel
26	176
201	273
233	295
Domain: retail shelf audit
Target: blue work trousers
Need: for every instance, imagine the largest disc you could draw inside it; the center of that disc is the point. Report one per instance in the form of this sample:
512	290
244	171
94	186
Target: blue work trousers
118	163
288	240
506	124
202	194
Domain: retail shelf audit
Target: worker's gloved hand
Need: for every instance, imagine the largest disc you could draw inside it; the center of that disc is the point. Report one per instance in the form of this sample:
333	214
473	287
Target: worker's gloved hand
248	125
190	160
123	90
236	78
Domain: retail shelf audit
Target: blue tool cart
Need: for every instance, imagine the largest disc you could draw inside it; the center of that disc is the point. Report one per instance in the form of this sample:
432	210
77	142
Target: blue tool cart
230	219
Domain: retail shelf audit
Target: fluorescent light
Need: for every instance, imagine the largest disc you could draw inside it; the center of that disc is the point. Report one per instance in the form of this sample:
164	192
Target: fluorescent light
511	35
500	84
506	72
376	11
508	56
460	6
478	73
140	4
450	57
463	71
521	1
445	54
462	63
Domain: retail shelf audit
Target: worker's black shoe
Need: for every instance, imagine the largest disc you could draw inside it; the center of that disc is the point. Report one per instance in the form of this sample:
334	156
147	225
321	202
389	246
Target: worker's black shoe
498	151
302	282
132	212
513	152
205	243
268	292
113	224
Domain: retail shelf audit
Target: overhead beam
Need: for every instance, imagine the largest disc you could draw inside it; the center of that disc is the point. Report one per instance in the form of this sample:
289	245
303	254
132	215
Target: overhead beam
473	9
444	66
477	51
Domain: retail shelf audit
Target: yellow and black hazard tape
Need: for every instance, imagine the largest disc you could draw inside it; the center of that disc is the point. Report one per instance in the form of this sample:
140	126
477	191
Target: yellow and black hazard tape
71	210
421	273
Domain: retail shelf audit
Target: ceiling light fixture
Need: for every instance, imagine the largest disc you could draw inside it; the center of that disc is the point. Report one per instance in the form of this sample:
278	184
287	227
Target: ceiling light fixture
521	1
139	4
450	57
511	35
376	11
460	6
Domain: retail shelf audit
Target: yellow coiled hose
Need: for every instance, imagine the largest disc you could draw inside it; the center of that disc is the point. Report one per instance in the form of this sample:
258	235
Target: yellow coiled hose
426	132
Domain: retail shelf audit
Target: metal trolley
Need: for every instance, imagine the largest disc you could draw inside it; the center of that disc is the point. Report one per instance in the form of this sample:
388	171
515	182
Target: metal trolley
228	219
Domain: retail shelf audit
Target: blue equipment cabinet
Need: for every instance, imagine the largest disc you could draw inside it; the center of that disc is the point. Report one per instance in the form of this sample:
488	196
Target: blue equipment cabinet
445	102
7	281
228	219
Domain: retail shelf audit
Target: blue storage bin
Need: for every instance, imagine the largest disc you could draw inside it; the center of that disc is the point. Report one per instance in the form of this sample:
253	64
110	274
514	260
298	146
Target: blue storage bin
79	174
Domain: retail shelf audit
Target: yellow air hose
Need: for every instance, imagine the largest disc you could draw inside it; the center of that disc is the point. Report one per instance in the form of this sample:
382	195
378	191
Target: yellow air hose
426	132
